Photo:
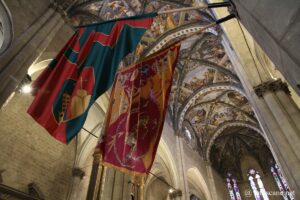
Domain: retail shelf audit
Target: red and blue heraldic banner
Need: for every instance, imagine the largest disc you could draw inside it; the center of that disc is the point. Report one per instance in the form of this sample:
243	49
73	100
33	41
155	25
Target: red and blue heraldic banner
136	114
83	70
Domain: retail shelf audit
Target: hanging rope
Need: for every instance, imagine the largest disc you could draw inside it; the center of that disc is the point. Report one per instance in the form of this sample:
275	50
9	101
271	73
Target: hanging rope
163	180
249	49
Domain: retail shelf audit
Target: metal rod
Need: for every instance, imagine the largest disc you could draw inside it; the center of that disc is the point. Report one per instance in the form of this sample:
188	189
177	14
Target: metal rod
224	19
197	32
219	5
89	132
162	180
202	6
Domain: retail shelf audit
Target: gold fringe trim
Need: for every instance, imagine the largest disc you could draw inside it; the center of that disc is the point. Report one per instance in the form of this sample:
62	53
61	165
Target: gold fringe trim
124	170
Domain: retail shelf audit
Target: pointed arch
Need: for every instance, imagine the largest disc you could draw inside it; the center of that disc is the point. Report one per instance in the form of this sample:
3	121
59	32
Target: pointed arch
225	126
197	180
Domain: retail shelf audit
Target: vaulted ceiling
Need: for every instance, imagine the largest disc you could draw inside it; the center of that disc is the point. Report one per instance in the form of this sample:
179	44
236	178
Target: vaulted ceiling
235	143
207	98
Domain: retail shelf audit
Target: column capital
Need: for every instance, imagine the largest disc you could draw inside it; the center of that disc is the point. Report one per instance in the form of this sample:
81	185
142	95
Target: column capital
175	193
78	172
271	86
97	157
63	13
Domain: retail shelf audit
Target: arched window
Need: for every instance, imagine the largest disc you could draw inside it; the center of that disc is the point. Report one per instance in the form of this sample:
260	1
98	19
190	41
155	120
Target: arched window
257	185
233	188
194	197
188	133
282	183
6	27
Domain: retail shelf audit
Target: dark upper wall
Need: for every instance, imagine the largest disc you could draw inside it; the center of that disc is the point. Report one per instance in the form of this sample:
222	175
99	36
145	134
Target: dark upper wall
28	152
25	13
275	25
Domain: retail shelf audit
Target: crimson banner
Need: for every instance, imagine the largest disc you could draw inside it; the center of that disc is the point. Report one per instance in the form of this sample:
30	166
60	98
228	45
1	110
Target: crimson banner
83	70
137	111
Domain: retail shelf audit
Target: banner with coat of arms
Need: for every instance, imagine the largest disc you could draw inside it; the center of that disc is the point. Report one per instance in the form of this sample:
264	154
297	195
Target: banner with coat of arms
83	70
137	111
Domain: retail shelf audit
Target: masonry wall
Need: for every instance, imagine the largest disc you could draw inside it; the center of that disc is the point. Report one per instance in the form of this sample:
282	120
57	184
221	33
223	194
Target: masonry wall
60	39
29	154
25	14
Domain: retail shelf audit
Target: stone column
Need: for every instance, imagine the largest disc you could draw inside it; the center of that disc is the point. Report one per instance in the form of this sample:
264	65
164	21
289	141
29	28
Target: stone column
272	107
126	187
142	189
109	186
96	179
182	168
278	38
133	192
118	186
137	185
211	181
25	50
290	107
107	183
77	174
283	123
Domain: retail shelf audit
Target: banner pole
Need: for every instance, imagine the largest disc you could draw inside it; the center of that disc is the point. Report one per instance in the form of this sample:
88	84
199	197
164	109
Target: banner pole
219	21
202	6
96	178
141	188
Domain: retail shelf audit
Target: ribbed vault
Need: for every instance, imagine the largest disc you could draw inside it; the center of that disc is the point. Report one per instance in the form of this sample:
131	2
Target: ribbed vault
237	142
207	97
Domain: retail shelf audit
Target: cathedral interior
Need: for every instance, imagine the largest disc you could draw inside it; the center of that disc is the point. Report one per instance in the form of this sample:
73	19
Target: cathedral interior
232	128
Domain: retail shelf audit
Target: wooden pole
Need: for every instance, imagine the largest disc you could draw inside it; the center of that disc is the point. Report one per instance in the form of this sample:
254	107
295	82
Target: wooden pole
141	188
95	178
219	21
203	6
102	183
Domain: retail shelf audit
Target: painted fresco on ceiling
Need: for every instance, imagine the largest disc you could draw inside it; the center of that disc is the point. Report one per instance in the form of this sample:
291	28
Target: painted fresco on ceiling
204	94
234	145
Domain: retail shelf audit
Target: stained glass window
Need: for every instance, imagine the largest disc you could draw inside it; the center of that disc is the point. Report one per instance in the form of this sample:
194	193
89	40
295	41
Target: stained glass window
257	185
236	189
194	197
233	189
282	183
188	134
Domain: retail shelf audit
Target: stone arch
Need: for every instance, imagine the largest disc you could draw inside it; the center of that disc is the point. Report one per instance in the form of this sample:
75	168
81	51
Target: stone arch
37	67
195	178
41	63
88	143
190	101
216	67
6	27
165	156
163	167
175	33
84	151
